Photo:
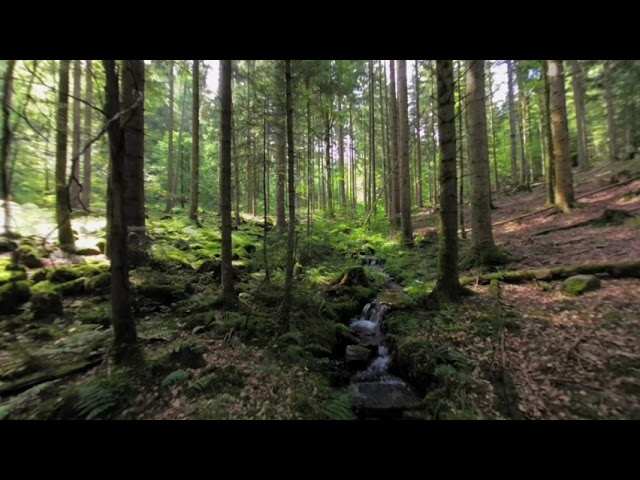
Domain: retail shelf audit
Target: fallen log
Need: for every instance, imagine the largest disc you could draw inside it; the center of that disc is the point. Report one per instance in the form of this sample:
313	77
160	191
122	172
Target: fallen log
37	378
617	270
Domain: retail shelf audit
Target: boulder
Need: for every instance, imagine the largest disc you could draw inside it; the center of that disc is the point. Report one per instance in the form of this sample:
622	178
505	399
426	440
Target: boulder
357	356
380	398
579	284
46	305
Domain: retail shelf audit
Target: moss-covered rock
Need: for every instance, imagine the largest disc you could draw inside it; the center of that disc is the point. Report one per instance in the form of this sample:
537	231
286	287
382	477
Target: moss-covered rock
67	273
101	245
28	256
579	284
7	276
14	294
163	293
39	275
7	245
98	284
212	265
88	251
74	287
357	356
46	305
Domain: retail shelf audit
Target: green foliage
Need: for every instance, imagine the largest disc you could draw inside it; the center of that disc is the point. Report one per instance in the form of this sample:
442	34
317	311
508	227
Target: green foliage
338	407
174	377
19	400
95	400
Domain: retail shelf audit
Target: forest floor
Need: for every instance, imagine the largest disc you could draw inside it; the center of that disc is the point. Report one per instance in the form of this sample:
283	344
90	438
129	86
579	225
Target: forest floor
524	351
560	357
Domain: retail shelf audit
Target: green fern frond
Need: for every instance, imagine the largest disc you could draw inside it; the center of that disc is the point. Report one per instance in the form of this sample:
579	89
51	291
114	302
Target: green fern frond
339	408
95	400
205	382
174	377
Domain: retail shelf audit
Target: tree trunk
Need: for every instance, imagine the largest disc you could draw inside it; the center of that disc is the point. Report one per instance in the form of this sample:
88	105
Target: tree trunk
288	283
611	121
195	144
512	124
549	169
235	185
74	183
265	189
447	285
481	233
581	116
224	93
341	187
309	158
63	207
419	199
133	91
403	141
382	79
372	136
395	178
434	116
463	232
327	159
171	174
524	107
281	222
496	182
564	195
354	192
124	327
7	95
88	125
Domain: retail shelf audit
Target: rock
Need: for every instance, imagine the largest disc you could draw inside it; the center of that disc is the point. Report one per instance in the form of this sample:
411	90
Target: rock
579	284
7	245
39	276
12	295
380	398
101	245
46	305
98	284
88	251
211	266
357	356
183	245
190	231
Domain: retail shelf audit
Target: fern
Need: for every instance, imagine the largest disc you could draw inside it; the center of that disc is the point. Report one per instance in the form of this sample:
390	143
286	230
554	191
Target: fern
7	408
205	382
95	400
174	377
338	408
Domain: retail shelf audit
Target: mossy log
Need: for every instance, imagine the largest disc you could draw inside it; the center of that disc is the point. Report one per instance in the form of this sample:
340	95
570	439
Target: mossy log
620	270
37	378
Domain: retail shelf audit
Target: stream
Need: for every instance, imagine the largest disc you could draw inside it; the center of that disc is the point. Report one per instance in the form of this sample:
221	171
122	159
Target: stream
379	394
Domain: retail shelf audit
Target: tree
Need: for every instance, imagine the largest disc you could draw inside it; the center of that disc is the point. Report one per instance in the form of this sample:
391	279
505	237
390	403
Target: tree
195	144
549	171
74	183
447	287
63	207
484	251
133	80
124	327
564	196
611	122
288	284
416	84
403	152
393	133
224	93
170	167
86	180
581	116
512	124
7	94
281	146
523	101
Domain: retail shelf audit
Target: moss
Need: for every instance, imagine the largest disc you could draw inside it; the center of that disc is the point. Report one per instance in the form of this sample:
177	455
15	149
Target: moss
95	314
7	276
39	275
163	293
98	284
46	305
29	256
14	294
102	245
74	287
579	284
89	251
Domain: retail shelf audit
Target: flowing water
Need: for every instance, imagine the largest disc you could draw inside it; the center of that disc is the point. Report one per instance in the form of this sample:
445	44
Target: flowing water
379	394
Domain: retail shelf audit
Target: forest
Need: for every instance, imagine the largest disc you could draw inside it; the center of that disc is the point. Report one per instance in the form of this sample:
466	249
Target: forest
320	239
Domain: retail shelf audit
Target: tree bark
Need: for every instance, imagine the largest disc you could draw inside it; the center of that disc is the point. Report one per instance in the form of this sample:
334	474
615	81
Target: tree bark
524	108
195	144
581	116
74	184
224	93
447	285
88	125
133	91
281	222
481	233
124	327
496	182
461	148
288	283
63	207
564	195
512	124
419	195
550	169
7	97
403	141
611	120
341	187
171	174
372	136
395	179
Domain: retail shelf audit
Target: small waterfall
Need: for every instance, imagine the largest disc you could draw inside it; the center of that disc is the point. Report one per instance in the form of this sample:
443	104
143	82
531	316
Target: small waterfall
378	393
